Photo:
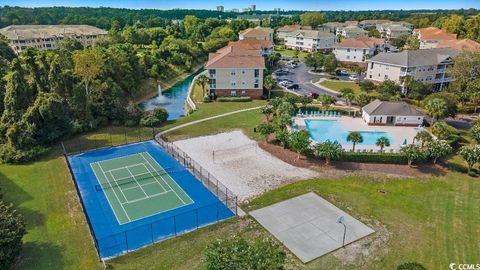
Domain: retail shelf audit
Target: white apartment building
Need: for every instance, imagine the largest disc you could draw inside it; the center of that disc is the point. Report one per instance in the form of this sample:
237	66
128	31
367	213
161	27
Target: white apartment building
358	50
431	37
351	31
43	37
284	30
396	113
310	40
393	30
427	66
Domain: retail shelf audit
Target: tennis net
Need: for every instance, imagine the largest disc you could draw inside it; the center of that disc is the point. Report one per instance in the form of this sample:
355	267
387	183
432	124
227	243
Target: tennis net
142	177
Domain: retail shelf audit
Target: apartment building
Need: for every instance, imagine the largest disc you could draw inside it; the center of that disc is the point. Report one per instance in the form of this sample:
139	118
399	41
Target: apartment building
427	66
263	47
394	30
351	31
355	51
460	45
310	40
333	26
259	33
284	30
431	37
43	37
372	23
236	70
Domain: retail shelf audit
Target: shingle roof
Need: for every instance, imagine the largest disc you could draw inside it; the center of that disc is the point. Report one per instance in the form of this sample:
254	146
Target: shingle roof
257	31
232	56
352	29
311	34
360	42
412	58
395	27
434	33
391	108
14	32
293	27
460	45
252	44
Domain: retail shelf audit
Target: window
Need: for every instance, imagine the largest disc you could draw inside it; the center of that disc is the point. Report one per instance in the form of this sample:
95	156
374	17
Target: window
348	56
257	73
233	93
233	83
348	50
385	77
244	92
233	72
371	65
370	76
212	72
243	71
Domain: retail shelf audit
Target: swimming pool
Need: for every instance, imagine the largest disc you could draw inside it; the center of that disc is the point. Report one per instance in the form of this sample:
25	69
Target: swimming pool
322	130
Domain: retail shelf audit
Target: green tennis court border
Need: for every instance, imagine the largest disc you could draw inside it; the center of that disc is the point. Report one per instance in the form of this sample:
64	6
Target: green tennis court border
140	198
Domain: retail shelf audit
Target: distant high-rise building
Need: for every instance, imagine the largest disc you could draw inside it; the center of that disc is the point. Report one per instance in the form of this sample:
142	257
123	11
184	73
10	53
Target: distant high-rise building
253	7
220	8
235	10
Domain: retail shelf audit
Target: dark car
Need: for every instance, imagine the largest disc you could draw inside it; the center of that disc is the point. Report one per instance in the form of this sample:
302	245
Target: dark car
313	95
340	72
293	86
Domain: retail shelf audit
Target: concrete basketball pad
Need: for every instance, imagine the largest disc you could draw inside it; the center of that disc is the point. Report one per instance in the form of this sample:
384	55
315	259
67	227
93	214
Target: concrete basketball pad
307	225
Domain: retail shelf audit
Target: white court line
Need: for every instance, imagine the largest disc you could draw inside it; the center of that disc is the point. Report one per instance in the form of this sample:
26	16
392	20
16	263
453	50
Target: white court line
165	180
110	184
113	209
151	183
155	195
155	177
137	182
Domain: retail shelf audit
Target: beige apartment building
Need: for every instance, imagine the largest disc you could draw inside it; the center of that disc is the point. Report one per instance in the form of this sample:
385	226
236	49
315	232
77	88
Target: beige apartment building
258	33
310	40
44	37
284	30
394	30
351	31
236	70
428	66
431	37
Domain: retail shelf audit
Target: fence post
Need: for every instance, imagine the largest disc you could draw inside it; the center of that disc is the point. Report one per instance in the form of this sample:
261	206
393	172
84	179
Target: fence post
111	138
151	231
175	225
64	150
126	240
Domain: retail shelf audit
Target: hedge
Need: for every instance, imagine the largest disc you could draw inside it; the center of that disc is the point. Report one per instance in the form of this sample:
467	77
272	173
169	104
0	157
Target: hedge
234	99
376	157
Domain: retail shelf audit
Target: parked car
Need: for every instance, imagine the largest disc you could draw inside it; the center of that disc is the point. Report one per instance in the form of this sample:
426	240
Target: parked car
341	72
353	77
285	82
313	95
293	86
292	66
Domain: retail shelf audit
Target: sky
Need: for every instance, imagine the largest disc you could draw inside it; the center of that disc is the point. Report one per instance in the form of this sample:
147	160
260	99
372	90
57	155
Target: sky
261	5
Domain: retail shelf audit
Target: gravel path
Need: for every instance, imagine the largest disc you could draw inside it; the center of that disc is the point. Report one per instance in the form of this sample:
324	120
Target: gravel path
240	164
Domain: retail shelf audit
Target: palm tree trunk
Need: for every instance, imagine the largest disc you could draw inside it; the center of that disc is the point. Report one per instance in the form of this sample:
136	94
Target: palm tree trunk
327	161
353	147
298	155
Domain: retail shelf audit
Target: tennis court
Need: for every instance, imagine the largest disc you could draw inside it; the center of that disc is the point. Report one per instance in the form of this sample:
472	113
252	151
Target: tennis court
136	186
137	194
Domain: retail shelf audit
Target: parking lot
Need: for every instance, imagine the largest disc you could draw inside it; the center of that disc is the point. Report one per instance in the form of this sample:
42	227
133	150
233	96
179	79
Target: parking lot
300	75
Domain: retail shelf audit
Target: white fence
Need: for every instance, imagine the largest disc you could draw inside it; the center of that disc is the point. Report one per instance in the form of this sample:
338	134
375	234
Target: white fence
189	102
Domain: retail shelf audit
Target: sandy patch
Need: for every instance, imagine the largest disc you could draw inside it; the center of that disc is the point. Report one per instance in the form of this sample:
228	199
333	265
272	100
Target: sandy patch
240	164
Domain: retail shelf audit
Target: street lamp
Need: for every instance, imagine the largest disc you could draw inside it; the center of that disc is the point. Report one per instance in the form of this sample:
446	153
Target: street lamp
341	220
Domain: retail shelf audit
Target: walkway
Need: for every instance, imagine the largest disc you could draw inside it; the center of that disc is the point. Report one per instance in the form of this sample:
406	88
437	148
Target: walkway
207	119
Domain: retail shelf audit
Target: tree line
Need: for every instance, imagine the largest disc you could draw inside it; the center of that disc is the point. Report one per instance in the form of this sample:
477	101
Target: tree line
47	95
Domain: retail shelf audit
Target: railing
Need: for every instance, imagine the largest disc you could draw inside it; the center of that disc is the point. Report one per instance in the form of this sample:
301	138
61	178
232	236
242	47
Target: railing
205	177
189	100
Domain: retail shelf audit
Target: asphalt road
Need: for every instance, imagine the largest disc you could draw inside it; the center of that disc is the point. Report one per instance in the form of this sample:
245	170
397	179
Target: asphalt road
301	77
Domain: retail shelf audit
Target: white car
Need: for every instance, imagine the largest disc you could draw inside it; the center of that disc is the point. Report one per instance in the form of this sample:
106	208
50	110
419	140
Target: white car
353	77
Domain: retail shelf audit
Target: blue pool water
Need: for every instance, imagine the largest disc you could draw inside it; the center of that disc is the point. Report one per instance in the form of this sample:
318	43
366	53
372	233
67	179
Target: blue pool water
322	130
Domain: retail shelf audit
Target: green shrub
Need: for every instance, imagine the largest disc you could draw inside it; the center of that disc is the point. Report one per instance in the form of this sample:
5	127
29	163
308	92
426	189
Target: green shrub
411	266
10	154
373	157
12	230
234	99
154	118
472	173
206	99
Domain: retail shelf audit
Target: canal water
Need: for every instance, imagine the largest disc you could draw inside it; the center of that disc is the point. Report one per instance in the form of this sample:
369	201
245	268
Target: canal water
173	99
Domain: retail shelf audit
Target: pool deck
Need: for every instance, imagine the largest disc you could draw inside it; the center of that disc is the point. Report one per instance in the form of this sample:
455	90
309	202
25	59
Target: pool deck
398	133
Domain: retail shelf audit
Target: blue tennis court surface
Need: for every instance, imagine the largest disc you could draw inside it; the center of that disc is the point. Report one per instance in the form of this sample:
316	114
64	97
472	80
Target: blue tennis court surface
135	195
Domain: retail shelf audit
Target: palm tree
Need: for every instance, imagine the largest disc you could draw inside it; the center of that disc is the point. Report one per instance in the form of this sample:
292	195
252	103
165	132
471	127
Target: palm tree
436	108
328	150
202	80
348	95
269	83
383	142
423	137
326	100
354	137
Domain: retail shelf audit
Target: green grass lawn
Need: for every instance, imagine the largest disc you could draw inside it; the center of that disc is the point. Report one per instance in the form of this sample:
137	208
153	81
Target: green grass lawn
431	221
339	85
290	53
